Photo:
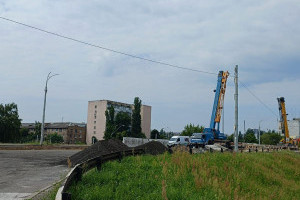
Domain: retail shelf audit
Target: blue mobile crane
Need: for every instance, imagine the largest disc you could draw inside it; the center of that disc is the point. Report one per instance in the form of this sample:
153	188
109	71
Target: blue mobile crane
212	134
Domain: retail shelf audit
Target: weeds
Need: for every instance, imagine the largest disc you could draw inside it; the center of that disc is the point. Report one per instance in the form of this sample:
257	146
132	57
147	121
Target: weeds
203	176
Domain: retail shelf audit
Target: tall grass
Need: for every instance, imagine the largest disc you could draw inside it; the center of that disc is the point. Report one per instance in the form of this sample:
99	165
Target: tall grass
203	176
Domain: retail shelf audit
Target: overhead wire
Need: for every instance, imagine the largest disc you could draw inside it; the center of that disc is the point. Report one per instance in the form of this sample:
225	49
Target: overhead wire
258	99
108	49
132	56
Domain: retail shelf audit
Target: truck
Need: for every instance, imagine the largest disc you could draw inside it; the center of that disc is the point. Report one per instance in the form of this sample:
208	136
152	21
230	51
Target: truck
212	133
179	140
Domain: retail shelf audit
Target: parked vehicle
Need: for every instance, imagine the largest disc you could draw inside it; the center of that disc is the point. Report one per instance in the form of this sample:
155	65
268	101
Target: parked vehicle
179	140
201	139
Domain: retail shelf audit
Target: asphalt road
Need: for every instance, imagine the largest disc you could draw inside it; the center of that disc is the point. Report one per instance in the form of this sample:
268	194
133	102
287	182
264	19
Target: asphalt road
23	172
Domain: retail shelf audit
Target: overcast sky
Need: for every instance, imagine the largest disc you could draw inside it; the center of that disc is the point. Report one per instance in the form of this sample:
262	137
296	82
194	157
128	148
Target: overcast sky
262	37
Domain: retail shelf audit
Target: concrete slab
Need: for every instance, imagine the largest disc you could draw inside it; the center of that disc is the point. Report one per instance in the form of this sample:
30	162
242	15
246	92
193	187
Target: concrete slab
24	172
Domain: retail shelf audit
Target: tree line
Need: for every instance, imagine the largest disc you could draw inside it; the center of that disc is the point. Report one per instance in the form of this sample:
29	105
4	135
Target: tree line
11	131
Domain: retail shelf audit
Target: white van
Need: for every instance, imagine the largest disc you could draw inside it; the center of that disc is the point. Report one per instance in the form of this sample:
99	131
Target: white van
179	140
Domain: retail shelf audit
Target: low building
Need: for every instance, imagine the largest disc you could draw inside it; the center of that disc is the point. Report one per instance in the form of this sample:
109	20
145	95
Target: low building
29	126
96	120
71	132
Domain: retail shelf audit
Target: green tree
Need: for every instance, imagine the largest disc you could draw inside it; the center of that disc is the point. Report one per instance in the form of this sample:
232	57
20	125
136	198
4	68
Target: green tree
154	134
189	129
123	122
110	122
9	123
136	129
37	128
231	138
270	137
117	124
241	137
250	136
24	134
54	138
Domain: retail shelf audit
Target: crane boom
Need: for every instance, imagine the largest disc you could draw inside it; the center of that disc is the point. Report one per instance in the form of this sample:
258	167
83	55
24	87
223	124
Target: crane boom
219	100
283	119
212	134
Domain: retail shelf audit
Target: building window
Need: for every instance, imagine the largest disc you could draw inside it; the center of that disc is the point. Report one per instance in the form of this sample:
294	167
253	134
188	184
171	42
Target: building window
75	130
95	106
94	127
80	131
95	117
94	132
80	136
60	130
94	122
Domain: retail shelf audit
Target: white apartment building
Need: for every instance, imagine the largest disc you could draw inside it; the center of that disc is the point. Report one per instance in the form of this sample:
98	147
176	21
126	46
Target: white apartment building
96	120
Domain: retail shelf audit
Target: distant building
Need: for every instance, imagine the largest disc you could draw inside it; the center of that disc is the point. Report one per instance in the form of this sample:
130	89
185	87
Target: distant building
96	120
29	126
71	132
294	128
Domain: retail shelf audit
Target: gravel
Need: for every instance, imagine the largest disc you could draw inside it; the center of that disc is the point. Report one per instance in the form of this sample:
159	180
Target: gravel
100	148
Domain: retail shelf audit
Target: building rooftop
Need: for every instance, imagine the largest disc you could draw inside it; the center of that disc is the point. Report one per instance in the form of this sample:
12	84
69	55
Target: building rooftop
54	125
116	102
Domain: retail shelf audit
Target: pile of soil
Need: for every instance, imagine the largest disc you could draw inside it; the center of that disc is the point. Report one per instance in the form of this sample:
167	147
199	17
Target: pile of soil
100	148
153	148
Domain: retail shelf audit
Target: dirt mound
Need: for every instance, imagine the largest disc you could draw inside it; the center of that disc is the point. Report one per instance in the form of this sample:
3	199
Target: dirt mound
153	148
102	147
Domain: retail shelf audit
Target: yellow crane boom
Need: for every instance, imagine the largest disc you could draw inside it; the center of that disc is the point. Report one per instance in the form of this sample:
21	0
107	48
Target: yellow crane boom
283	119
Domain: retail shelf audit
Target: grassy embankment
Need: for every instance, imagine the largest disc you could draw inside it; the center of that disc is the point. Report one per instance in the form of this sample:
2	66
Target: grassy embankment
202	176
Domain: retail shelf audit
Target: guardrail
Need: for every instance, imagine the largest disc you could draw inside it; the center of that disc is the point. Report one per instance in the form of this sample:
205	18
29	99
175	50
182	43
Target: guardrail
76	172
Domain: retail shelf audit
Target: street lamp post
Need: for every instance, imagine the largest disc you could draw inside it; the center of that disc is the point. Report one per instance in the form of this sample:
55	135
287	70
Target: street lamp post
44	109
259	131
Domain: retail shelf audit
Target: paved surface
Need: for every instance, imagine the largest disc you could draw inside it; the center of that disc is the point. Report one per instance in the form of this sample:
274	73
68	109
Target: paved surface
23	172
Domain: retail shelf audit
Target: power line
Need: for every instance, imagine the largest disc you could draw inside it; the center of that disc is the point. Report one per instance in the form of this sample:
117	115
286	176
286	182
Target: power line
130	55
258	99
107	49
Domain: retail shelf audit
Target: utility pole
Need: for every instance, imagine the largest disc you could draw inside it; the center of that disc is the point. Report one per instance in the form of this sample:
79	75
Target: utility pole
259	131
223	119
259	135
44	109
236	128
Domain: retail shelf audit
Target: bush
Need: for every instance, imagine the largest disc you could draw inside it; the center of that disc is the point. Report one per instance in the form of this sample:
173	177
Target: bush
54	138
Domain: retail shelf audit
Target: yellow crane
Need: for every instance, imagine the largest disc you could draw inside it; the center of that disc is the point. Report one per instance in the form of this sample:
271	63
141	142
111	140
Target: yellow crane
283	121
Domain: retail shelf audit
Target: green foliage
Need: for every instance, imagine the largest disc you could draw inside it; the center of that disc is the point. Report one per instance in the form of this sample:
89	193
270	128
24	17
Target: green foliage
54	138
136	129
123	122
117	125
231	138
110	122
9	123
27	137
270	138
154	134
37	128
250	136
199	176
241	137
189	129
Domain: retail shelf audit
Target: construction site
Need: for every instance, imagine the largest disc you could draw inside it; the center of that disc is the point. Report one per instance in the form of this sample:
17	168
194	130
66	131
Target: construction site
211	141
171	100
